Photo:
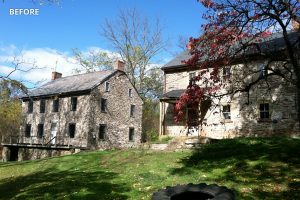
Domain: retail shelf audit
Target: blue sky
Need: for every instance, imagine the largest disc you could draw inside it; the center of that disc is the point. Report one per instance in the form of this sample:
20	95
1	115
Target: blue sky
76	24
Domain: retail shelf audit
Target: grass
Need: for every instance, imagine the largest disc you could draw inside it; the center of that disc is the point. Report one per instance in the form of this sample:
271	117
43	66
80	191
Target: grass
255	168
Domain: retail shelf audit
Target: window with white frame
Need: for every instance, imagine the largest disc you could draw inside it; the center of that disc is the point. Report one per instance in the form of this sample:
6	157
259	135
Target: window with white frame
226	112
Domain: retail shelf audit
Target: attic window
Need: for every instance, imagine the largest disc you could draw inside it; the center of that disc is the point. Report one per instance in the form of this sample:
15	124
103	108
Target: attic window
130	92
132	110
107	86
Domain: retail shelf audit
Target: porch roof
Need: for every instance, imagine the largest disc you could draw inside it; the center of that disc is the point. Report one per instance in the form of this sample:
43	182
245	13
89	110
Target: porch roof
173	94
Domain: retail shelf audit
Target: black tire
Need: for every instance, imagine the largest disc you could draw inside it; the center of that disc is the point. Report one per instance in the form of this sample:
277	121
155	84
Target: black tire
213	192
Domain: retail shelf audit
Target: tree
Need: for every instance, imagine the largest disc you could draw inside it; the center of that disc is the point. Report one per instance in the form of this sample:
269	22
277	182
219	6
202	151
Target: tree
236	30
136	41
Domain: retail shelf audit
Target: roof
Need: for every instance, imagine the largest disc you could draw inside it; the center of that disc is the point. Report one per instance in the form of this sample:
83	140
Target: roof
69	84
173	94
273	43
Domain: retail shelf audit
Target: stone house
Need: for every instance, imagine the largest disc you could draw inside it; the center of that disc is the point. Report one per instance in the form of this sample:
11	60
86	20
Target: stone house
268	109
98	110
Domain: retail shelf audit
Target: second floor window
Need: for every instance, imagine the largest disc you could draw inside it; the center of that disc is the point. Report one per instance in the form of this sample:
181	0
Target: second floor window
42	105
55	105
28	130
132	110
192	75
72	129
40	132
264	110
103	105
226	112
130	92
30	106
73	103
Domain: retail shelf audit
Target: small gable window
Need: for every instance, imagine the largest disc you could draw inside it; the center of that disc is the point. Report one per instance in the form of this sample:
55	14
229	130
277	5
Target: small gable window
55	105
103	105
72	129
73	103
107	86
30	106
42	106
130	92
28	130
264	110
102	131
226	112
40	132
132	110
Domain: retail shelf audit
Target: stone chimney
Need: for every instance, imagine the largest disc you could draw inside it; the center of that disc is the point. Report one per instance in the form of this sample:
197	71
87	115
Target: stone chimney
56	75
120	65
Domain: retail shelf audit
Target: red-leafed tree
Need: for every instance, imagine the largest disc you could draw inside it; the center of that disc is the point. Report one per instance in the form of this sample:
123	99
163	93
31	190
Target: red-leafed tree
237	30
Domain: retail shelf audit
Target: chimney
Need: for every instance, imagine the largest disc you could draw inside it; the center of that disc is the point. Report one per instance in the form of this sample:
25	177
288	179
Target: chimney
120	65
56	75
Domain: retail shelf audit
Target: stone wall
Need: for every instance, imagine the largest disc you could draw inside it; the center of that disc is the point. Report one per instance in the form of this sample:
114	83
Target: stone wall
117	118
245	116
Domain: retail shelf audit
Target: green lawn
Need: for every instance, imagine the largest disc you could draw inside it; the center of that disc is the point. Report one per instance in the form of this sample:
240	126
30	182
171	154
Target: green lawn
255	168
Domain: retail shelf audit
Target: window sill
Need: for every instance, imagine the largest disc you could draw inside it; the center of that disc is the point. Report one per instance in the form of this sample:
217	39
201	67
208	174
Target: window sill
227	121
264	120
103	111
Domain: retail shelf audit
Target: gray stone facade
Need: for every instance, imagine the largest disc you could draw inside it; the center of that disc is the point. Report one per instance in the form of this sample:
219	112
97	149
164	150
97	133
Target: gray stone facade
245	116
108	115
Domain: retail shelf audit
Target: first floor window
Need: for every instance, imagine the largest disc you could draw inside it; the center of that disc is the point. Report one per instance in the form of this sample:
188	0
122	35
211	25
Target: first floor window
264	110
28	130
40	132
72	130
226	112
131	134
102	131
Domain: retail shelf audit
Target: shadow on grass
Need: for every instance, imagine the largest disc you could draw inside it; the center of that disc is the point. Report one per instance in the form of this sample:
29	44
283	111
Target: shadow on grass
54	184
256	168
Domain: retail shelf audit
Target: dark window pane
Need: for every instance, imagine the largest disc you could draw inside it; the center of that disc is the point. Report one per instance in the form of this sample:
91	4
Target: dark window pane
131	134
130	92
107	86
55	105
28	130
72	130
42	106
73	103
103	105
102	131
30	106
226	112
40	132
264	111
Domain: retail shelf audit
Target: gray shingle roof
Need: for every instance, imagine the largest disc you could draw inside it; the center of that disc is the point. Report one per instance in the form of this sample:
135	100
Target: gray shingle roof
271	44
69	84
173	93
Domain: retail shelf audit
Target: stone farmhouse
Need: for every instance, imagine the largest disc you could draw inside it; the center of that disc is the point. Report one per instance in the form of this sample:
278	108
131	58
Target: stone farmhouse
269	109
98	110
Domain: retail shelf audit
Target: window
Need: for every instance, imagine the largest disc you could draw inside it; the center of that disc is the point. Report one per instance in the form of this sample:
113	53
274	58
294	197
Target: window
55	105
132	110
192	75
30	106
263	70
40	132
102	131
42	105
264	110
107	86
72	130
131	134
73	103
130	92
103	105
226	112
226	72
28	130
